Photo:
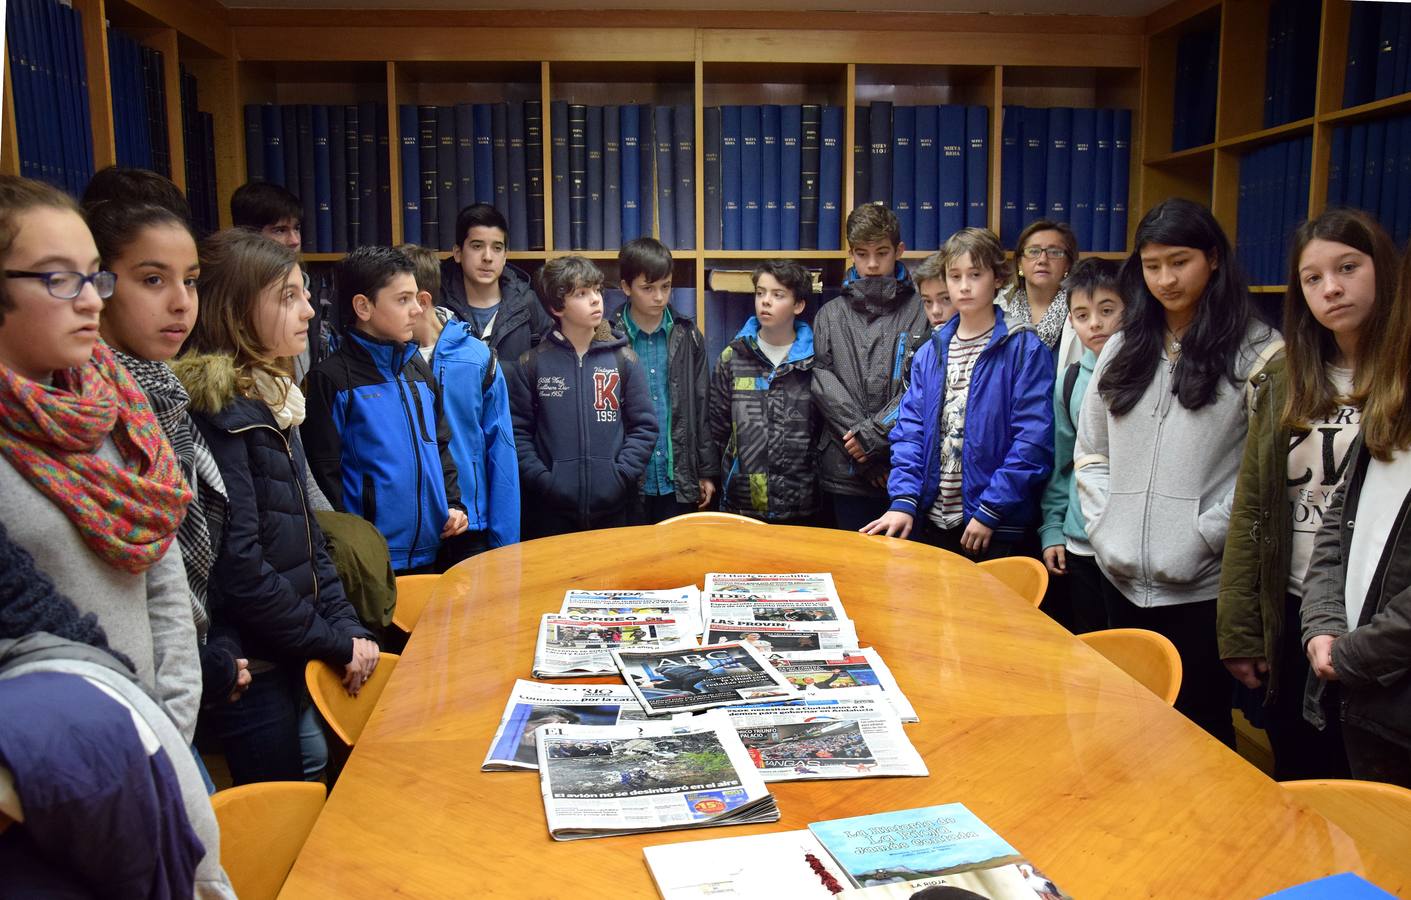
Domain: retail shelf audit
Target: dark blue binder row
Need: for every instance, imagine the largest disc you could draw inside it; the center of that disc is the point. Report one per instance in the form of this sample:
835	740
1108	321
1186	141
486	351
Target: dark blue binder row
773	177
53	126
1067	165
617	170
930	164
1370	169
336	160
455	156
1378	52
1197	80
139	94
198	130
1273	200
1290	65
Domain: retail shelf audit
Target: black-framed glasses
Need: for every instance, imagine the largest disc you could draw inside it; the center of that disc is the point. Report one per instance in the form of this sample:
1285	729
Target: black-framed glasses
1051	252
68	285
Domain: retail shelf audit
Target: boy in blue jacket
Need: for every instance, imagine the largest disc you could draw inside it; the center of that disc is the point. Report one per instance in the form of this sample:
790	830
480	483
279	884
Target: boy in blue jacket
973	442
1095	311
477	404
374	400
583	420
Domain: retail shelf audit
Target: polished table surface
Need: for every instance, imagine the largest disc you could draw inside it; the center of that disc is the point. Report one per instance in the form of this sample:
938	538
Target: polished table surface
1109	791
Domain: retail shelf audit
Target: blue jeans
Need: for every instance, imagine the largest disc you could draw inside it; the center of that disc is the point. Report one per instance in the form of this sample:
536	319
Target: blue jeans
263	733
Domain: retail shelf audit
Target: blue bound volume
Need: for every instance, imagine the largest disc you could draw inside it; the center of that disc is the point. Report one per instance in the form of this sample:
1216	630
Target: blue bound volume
951	172
731	219
1102	181
254	143
484	117
751	178
771	163
447	177
1121	178
577	176
273	123
338	176
1010	173
683	165
880	130
518	211
862	156
558	171
666	176
465	156
646	168
409	128
1401	223
323	182
1081	180
594	138
630	183
977	166
612	177
1356	162
710	125
790	173
926	233
830	180
307	176
534	170
499	155
1034	135
904	170
810	150
1057	181
352	154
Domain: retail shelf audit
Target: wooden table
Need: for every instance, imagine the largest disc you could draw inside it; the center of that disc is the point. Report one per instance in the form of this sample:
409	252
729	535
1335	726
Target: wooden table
1109	791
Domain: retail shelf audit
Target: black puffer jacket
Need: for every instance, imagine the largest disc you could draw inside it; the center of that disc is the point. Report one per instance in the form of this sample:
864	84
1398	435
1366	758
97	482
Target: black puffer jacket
272	578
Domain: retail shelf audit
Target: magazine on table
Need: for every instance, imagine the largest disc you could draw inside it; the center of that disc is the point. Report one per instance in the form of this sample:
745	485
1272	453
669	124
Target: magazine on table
769	637
847	733
648	776
682	604
766	584
821	670
779	865
532	704
806	608
574	645
896	854
693	678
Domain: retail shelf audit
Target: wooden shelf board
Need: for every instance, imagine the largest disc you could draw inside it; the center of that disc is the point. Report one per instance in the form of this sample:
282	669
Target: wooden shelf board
776	254
1268	288
1190	154
1371	110
1254	139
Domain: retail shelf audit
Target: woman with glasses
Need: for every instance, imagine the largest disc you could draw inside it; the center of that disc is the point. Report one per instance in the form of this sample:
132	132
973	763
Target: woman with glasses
1044	254
92	488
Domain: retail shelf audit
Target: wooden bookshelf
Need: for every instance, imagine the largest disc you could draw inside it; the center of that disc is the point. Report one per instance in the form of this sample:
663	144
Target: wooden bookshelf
704	58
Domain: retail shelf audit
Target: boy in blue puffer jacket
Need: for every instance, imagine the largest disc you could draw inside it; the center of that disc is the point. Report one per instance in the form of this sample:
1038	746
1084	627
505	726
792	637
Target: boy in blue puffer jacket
377	438
477	403
973	443
584	425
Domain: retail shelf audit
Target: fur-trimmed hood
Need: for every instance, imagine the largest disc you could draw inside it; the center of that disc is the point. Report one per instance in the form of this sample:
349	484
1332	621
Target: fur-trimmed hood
210	378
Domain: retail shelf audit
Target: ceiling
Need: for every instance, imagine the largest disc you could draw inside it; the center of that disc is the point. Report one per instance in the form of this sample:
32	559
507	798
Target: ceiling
1008	7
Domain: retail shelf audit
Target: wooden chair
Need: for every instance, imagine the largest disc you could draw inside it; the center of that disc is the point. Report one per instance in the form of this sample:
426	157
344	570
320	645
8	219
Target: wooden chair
1375	815
711	518
346	715
1025	576
1148	657
262	829
413	592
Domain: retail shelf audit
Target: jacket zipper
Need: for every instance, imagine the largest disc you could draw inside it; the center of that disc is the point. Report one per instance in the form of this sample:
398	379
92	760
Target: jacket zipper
303	499
1162	396
583	516
398	381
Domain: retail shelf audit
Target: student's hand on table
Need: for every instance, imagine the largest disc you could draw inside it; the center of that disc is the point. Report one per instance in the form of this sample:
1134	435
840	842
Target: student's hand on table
242	679
359	668
707	493
1056	559
1248	670
892	524
976	537
854	447
1320	657
456	523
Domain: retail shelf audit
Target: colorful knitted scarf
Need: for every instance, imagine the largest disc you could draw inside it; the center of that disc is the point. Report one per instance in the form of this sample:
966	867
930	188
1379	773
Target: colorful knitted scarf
126	514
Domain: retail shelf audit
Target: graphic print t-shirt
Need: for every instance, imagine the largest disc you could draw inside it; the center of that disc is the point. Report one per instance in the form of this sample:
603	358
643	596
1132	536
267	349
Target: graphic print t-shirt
1318	461
948	511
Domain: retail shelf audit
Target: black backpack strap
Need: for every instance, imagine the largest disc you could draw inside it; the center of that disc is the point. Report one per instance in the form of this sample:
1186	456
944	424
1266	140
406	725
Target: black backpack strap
1070	381
489	378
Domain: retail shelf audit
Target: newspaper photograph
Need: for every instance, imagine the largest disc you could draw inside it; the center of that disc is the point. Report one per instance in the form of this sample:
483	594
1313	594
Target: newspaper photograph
847	733
648	776
688	679
769	637
765	584
532	704
682	604
774	608
821	670
579	645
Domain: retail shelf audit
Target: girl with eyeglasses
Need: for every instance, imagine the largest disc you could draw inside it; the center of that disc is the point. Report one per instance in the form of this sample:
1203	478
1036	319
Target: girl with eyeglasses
1160	441
92	488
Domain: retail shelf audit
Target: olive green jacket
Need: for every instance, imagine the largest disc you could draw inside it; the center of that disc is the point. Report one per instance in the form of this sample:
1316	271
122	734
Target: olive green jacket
1254	573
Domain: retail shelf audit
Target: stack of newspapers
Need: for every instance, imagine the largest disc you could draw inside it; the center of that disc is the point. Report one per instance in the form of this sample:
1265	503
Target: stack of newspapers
759	678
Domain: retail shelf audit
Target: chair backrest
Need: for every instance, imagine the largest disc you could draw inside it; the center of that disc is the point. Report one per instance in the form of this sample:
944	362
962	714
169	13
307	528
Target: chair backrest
1375	815
262	828
1025	576
1148	657
711	518
346	715
413	592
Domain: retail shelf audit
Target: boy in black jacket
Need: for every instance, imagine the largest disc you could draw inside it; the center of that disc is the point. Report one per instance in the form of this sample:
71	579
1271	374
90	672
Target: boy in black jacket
583	420
681	469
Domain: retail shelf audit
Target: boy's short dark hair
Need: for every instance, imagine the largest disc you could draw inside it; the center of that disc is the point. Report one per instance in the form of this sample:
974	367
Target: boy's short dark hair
563	275
366	271
126	185
872	222
788	273
984	248
1092	275
644	256
426	268
479	215
258	204
931	268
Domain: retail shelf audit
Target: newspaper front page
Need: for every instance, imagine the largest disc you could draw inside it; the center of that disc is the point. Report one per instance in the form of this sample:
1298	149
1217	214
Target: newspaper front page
532	704
694	678
821	670
769	637
581	645
682	604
